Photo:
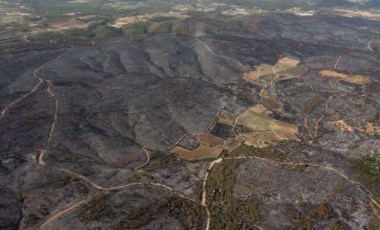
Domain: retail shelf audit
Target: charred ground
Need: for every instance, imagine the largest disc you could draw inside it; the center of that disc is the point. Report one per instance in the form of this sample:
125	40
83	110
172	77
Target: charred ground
163	129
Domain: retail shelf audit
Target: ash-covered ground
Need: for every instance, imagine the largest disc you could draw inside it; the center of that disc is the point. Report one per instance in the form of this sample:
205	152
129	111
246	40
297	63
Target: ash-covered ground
269	122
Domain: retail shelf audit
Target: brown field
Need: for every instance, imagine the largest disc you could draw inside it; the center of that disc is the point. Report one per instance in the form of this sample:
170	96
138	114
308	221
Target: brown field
260	108
342	125
226	119
355	79
201	152
288	67
210	140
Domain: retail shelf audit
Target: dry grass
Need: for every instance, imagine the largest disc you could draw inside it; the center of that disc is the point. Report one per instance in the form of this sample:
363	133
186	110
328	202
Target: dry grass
120	22
260	140
284	131
201	152
260	71
260	108
286	67
371	128
286	63
233	143
373	14
255	121
354	79
342	125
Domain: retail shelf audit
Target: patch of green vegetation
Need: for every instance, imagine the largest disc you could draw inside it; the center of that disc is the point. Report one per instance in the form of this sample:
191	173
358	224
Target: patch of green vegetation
375	223
188	213
271	103
295	71
201	160
104	30
268	152
226	211
94	208
94	31
242	150
161	161
137	27
302	224
55	9
368	169
337	225
321	211
160	27
69	36
221	180
235	215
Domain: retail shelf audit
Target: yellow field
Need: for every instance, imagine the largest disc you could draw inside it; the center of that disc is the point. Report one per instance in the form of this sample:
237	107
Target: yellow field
355	79
286	63
201	152
259	72
120	22
266	130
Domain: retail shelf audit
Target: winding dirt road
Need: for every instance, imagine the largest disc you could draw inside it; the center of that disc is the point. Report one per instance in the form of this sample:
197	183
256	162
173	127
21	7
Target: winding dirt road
40	81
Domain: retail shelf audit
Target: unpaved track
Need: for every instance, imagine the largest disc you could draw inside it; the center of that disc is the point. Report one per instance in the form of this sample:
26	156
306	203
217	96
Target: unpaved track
106	189
137	169
42	153
369	46
218	55
54	217
40	81
204	191
336	62
213	121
